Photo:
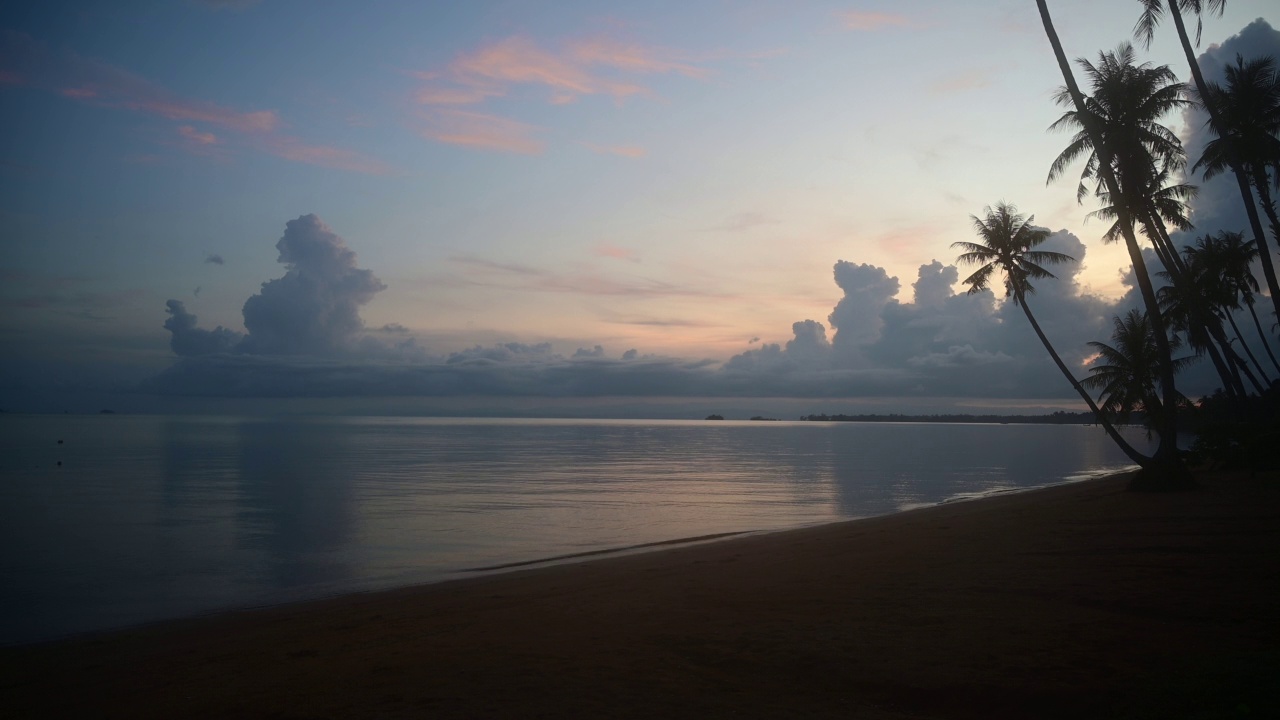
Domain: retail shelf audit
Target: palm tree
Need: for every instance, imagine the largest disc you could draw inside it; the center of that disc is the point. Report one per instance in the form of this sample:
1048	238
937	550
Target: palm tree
1249	109
1152	12
1124	373
1190	304
1127	104
1167	207
1007	242
1167	452
1229	257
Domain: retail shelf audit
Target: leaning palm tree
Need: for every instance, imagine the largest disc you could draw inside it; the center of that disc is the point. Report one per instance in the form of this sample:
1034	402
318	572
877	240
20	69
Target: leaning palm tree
1152	13
1192	304
1228	257
1249	114
1166	208
1166	455
1007	242
1124	372
1128	103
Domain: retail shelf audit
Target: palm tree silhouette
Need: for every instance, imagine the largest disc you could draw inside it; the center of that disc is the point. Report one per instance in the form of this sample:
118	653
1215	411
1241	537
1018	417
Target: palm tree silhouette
1229	257
1249	110
1124	371
1006	246
1192	304
1166	455
1152	12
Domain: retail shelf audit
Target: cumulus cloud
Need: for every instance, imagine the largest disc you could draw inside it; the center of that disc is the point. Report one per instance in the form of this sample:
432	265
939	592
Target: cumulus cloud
856	318
188	340
213	259
313	310
306	339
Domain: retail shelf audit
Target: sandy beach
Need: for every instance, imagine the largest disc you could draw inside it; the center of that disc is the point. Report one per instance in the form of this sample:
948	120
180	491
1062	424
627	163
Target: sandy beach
1081	600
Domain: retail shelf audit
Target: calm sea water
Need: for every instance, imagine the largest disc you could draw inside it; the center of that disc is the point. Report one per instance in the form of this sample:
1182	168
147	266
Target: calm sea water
153	517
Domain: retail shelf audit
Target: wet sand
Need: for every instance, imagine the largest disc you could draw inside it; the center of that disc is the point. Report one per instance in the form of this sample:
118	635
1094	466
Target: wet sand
1074	601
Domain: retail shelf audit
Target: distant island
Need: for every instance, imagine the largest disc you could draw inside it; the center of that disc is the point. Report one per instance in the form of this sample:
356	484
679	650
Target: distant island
1057	418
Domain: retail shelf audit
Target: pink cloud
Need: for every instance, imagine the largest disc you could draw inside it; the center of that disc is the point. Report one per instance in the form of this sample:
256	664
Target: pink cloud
627	151
98	83
78	93
200	138
481	131
632	57
453	96
569	72
324	156
618	253
859	20
10	77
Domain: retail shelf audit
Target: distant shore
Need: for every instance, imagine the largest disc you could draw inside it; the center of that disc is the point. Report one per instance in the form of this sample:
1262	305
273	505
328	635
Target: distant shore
1078	600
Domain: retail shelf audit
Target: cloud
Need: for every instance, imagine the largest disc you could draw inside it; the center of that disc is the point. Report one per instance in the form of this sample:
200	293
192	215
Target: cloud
856	317
627	151
615	252
306	339
314	308
188	340
291	148
195	136
481	131
1218	205
564	73
98	83
214	259
479	271
958	356
567	73
867	21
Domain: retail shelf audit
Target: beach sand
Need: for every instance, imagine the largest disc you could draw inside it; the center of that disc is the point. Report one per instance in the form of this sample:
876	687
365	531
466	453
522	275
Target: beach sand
1074	601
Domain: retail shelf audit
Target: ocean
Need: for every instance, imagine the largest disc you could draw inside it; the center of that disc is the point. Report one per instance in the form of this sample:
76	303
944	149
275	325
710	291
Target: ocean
116	520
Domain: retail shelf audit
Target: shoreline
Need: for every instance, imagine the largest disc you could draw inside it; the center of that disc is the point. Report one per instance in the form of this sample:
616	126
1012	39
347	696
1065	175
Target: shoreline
466	573
1070	599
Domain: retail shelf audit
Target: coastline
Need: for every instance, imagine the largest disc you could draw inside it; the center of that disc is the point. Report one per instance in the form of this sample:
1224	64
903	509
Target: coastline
1056	601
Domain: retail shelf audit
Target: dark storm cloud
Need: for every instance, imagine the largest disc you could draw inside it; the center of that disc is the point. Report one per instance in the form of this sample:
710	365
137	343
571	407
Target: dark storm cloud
214	259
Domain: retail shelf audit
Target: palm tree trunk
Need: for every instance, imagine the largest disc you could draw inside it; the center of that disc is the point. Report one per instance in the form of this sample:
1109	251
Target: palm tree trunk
1125	447
1233	358
1163	234
1245	192
1167	451
1268	206
1265	345
1236	329
1231	384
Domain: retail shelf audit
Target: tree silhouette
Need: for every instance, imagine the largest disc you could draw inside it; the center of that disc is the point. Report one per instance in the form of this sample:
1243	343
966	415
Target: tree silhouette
1228	257
1124	371
1249	112
1167	452
1006	246
1152	12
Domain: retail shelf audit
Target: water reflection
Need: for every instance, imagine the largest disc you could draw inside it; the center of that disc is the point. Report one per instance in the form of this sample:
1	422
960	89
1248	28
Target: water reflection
296	499
152	517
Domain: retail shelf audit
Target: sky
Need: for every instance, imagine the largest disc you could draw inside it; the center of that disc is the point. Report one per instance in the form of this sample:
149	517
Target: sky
502	206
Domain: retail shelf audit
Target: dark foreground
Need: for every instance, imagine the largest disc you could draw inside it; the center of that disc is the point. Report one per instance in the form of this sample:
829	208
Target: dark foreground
1069	602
